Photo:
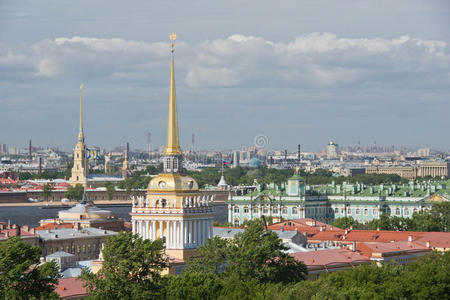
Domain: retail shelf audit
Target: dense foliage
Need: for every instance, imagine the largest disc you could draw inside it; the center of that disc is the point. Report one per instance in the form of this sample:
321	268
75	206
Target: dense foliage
21	275
435	219
74	192
131	269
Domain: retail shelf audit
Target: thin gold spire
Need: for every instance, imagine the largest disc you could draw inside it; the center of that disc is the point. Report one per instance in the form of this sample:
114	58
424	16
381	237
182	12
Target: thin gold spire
173	145
81	134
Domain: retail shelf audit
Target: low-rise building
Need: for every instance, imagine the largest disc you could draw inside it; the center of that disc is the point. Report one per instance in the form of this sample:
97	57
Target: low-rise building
84	243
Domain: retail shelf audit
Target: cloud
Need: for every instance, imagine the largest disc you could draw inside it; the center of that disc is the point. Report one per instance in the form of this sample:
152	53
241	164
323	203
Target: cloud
314	60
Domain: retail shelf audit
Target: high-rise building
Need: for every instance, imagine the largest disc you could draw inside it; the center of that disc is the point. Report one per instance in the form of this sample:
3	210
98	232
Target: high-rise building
174	208
332	150
80	169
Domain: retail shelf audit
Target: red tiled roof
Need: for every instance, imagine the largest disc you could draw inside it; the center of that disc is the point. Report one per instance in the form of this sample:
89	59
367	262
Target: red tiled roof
436	239
52	226
70	288
330	256
13	232
391	249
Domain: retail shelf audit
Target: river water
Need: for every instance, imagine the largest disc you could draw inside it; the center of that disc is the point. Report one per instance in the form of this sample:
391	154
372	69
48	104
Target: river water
31	215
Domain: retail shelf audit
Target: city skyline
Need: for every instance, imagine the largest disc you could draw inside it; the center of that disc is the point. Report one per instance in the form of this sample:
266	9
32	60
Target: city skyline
307	80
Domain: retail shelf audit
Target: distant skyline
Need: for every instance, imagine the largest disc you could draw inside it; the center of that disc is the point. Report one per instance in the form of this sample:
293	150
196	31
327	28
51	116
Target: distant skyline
295	71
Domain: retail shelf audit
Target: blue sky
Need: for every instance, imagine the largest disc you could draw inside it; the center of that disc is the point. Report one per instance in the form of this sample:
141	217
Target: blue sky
296	71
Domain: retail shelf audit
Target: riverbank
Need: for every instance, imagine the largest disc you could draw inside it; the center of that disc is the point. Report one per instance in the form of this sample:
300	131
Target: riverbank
71	203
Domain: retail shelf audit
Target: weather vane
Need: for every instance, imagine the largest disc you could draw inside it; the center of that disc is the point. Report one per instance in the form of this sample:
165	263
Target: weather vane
173	37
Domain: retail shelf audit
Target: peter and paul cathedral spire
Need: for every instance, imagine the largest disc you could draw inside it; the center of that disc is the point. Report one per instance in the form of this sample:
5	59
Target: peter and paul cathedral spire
79	169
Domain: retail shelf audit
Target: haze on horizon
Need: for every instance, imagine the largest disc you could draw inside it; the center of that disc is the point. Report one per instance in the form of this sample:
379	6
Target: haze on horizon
296	71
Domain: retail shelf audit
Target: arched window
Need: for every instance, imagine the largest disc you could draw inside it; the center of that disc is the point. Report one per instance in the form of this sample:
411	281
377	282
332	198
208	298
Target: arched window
406	212
374	211
397	211
349	211
284	210
265	210
246	211
366	212
274	210
294	210
336	210
255	210
357	211
236	222
236	209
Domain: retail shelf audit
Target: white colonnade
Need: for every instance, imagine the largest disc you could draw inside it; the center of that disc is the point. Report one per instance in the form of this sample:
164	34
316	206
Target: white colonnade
179	234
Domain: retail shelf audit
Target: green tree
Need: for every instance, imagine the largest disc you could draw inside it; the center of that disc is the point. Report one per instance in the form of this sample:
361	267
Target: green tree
211	257
347	222
46	191
21	275
131	269
75	192
110	190
261	255
194	285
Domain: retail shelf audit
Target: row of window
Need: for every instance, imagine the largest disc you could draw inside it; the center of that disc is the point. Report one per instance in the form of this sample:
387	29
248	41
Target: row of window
284	210
89	248
365	211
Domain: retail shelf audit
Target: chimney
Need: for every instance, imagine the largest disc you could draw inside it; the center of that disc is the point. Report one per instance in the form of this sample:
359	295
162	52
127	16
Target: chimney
26	228
351	227
410	238
7	233
378	228
321	228
428	244
32	230
354	246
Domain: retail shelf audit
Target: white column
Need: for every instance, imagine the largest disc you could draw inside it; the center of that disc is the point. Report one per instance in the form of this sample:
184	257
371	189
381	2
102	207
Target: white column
160	229
140	228
133	226
178	234
153	230
190	235
181	234
169	234
203	232
186	234
211	226
147	230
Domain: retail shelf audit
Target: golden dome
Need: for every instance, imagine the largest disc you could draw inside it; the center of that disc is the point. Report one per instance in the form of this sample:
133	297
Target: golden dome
172	182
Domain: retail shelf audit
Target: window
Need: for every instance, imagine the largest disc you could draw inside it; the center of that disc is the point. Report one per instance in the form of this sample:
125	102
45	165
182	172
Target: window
397	211
342	210
330	210
406	211
374	211
84	248
366	212
275	210
236	209
236	222
294	210
336	210
284	210
349	211
73	249
357	211
265	210
255	210
78	249
89	248
246	210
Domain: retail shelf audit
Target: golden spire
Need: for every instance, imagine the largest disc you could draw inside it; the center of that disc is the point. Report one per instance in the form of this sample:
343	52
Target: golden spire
81	134
173	145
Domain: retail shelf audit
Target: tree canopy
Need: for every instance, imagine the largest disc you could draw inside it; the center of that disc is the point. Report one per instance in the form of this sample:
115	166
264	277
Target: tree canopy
21	274
75	192
131	269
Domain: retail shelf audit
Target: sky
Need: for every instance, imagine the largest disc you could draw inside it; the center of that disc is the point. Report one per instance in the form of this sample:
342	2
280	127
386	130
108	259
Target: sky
294	72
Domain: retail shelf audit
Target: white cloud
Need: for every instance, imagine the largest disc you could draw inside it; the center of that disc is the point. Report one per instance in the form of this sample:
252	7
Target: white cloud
316	60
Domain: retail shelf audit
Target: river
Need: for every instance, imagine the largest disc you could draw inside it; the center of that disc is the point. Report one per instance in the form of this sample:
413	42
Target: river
31	215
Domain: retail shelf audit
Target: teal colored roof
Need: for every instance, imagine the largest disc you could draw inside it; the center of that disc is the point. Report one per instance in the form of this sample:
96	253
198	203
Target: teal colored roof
297	177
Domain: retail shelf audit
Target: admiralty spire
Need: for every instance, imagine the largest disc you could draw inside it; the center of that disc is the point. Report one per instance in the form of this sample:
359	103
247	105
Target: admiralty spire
174	208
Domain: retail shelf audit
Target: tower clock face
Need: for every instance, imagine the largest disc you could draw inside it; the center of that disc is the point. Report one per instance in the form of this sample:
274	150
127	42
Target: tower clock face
162	184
